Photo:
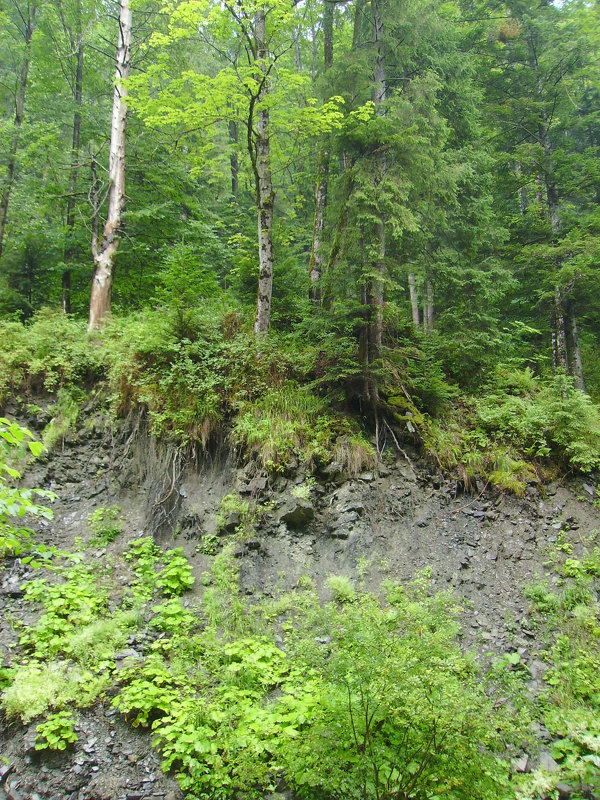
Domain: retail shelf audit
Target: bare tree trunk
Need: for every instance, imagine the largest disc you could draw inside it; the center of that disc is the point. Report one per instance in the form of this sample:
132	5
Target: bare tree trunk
233	158
428	307
105	253
265	196
575	364
521	191
74	170
559	337
414	300
315	268
19	108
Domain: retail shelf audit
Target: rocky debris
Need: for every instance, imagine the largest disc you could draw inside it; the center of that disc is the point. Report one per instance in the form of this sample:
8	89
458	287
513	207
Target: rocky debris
109	762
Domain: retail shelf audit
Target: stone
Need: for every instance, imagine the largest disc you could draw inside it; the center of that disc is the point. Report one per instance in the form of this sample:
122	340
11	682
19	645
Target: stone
547	762
521	764
334	472
343	520
565	790
233	521
5	770
297	512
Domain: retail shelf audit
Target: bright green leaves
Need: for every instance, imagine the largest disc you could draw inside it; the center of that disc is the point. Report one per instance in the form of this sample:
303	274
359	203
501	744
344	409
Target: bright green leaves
56	733
15	502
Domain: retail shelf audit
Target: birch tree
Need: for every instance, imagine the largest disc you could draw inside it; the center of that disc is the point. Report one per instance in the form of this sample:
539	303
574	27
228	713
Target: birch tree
105	250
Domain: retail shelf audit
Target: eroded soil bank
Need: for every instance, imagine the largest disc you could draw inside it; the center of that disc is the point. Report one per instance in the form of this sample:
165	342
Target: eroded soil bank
385	524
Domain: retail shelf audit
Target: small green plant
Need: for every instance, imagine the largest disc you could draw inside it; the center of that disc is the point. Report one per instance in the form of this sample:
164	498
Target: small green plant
64	416
233	508
573	568
171	616
304	490
57	732
16	503
341	588
143	555
176	575
209	544
148	693
37	687
106	524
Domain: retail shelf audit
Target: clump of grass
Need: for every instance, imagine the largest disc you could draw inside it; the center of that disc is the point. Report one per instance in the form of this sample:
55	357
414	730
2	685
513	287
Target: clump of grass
354	453
341	588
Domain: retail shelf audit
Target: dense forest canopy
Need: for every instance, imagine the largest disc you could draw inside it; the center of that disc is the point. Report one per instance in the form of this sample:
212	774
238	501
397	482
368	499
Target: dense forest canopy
410	188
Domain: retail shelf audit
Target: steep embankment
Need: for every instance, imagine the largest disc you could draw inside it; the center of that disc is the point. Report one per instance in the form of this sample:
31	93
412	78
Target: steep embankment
388	523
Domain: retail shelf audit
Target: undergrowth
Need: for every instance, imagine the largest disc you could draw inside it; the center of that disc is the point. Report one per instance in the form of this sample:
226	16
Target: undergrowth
568	621
286	403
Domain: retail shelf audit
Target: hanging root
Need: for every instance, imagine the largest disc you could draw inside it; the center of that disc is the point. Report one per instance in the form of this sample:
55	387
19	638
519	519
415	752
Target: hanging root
165	466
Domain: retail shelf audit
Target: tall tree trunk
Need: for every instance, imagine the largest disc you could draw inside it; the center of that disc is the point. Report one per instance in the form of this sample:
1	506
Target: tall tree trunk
414	300
105	253
565	336
19	108
346	164
315	267
233	158
265	196
74	170
575	364
377	282
428	307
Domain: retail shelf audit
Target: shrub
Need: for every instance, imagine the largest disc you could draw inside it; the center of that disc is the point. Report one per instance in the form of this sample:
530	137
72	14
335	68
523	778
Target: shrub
36	688
65	412
51	352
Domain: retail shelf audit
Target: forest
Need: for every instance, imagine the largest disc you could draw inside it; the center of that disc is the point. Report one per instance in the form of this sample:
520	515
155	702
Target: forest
338	249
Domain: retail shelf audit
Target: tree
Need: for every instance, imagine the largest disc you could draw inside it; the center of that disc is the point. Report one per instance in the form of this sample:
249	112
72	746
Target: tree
247	80
105	251
25	19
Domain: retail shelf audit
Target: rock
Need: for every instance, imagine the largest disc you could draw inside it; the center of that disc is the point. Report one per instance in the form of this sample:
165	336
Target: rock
521	764
334	472
340	533
233	521
343	520
589	489
565	790
297	512
547	762
5	770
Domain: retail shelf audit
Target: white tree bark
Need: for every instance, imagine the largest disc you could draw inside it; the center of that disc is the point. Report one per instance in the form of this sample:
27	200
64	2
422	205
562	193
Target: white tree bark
265	196
105	252
414	300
